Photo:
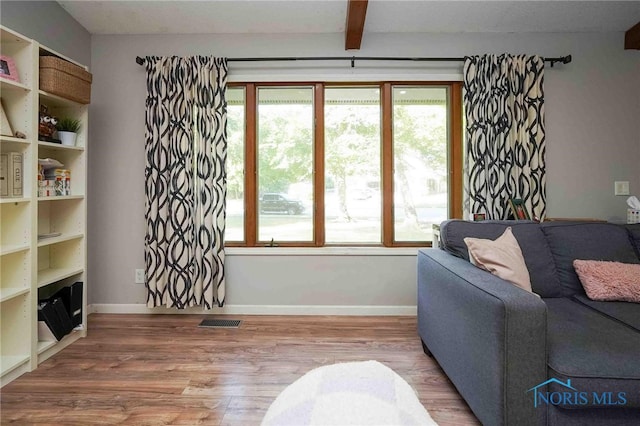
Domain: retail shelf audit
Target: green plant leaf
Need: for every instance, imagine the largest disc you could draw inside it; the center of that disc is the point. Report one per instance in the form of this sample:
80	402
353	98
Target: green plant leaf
67	124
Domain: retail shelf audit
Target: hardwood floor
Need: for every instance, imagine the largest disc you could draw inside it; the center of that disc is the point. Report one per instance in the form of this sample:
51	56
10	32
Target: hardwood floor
163	369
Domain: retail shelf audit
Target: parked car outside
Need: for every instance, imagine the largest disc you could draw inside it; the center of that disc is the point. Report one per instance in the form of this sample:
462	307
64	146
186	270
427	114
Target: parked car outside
280	203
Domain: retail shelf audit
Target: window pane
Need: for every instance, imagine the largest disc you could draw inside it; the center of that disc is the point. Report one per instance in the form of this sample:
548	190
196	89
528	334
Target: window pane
420	142
352	165
285	163
235	164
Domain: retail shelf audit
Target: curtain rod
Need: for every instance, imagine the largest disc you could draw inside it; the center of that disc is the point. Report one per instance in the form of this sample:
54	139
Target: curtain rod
552	61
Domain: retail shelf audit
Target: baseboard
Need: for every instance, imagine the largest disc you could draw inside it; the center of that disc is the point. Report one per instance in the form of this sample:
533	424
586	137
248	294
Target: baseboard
108	308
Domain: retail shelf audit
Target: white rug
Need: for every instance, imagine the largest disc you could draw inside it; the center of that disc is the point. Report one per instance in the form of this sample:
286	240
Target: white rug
354	393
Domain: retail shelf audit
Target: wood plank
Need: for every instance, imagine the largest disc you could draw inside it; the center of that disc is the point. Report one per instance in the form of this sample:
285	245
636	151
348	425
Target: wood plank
632	37
457	153
163	369
250	167
245	411
388	220
131	408
318	163
356	14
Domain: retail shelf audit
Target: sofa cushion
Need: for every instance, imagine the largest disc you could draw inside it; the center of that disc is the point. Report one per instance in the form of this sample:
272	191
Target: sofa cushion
634	230
626	312
537	256
502	257
597	353
587	241
609	281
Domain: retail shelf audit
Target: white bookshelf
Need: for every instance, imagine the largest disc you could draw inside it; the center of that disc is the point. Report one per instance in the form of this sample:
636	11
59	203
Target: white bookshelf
14	329
16	87
59	239
61	198
43	345
9	293
51	275
13	248
47	349
13	200
58	147
32	267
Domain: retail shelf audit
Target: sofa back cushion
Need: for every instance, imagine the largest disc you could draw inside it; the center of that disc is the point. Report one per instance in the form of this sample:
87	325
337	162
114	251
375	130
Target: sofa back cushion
586	241
634	229
537	256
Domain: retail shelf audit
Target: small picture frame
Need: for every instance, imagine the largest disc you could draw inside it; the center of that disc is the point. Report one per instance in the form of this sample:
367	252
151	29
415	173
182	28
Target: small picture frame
477	217
8	68
518	209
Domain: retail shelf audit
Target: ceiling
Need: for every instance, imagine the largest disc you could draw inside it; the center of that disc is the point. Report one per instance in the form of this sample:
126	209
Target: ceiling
329	16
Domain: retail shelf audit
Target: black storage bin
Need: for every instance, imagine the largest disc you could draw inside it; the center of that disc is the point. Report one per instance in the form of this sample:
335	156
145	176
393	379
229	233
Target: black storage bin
72	298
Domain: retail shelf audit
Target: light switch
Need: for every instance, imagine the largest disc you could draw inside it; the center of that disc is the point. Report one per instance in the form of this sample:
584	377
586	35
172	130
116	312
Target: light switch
139	276
622	187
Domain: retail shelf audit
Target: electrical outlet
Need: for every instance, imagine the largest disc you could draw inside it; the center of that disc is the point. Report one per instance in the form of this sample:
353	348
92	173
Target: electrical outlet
139	276
621	188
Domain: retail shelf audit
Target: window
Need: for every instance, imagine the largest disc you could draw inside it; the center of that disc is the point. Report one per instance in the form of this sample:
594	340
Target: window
285	163
235	164
420	145
332	164
352	165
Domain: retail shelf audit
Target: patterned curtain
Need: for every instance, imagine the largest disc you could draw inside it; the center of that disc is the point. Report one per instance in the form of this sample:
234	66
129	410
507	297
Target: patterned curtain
505	140
185	181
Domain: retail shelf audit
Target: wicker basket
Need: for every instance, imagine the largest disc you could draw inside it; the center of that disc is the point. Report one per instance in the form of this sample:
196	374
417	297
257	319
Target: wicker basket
65	79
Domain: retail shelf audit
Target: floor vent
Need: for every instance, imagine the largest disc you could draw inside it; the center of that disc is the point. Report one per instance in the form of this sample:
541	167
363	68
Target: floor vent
219	323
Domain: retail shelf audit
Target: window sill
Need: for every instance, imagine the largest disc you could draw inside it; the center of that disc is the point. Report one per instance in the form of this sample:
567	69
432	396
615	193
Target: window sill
322	251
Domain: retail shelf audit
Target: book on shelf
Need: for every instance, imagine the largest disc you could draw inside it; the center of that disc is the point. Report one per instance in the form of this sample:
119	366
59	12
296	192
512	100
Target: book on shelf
11	182
53	181
49	235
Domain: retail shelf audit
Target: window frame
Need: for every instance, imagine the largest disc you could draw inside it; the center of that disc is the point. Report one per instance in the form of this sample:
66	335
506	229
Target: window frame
251	193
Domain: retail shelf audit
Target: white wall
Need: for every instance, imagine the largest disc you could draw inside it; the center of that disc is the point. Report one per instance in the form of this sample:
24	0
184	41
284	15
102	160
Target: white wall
592	114
49	24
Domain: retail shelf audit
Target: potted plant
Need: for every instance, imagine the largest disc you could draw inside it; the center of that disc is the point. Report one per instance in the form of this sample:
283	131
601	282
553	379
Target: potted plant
68	129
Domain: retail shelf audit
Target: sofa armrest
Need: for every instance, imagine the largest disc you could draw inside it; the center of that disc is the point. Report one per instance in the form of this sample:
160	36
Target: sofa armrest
488	335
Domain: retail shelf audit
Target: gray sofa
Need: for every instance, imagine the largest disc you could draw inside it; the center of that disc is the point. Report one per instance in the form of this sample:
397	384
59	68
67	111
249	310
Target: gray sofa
520	359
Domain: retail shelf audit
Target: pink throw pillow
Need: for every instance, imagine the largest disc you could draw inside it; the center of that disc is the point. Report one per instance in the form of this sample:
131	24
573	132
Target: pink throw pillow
501	257
609	281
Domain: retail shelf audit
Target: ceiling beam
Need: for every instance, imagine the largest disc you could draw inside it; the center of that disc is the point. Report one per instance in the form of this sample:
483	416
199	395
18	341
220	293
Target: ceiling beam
356	14
632	37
